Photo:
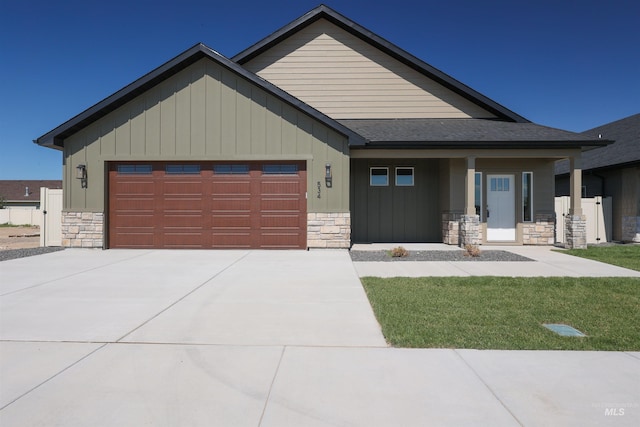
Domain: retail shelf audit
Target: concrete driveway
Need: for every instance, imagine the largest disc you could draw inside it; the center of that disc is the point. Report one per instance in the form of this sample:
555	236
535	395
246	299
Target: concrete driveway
257	338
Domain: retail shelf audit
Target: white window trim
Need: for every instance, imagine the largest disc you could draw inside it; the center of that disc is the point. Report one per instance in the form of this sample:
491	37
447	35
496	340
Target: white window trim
524	173
481	196
371	176
413	179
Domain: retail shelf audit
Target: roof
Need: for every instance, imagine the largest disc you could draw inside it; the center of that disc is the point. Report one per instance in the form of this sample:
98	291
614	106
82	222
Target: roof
625	150
463	133
55	138
25	190
324	12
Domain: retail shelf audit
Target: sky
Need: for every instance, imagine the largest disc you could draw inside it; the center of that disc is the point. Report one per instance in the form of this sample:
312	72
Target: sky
569	64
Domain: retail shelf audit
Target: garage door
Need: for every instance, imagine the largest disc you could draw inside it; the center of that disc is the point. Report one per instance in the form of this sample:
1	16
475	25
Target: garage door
207	205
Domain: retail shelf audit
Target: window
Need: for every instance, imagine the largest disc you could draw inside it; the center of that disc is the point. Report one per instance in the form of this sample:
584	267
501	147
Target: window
379	177
183	169
478	194
135	169
527	196
404	176
231	169
280	169
499	184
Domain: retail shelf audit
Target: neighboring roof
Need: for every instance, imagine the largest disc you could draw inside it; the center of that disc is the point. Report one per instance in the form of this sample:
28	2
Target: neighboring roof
461	133
25	190
385	46
55	137
625	150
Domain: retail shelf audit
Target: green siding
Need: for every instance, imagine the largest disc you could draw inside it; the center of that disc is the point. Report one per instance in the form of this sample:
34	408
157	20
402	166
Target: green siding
206	112
396	214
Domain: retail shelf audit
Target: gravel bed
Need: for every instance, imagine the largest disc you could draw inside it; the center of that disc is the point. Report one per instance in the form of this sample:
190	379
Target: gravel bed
8	254
488	255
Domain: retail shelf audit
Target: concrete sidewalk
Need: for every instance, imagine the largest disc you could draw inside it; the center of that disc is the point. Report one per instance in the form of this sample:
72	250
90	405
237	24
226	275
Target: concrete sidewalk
261	338
547	262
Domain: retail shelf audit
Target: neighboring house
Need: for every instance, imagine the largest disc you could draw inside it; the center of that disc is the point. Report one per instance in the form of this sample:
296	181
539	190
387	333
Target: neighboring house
320	135
613	171
24	193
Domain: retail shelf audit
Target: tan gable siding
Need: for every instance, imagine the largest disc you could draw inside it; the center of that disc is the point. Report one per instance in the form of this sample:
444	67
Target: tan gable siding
206	112
346	78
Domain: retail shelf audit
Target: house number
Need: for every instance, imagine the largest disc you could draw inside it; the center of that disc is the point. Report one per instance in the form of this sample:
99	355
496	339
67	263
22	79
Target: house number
319	187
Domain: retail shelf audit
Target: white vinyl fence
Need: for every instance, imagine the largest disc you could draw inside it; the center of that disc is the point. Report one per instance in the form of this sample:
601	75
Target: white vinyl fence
20	216
599	218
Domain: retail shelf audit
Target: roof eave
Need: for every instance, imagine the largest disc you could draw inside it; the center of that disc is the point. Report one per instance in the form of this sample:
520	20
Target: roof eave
484	144
391	49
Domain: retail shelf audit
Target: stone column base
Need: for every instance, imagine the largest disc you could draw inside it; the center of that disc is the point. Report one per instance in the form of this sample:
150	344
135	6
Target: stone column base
631	229
82	229
575	227
329	230
469	233
540	232
451	227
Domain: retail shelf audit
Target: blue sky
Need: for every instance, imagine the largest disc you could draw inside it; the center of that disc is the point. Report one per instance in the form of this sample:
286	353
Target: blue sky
571	64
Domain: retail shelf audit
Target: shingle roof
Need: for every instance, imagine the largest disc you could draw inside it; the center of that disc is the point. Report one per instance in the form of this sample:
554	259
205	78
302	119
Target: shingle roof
55	137
25	190
324	12
625	149
464	132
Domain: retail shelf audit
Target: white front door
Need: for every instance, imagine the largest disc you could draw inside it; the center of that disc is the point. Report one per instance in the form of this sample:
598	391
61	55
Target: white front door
501	208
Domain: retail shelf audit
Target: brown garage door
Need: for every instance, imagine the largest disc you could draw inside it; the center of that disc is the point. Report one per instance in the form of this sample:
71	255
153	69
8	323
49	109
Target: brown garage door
207	205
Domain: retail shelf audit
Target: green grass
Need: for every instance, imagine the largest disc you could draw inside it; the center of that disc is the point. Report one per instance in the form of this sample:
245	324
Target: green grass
627	256
507	313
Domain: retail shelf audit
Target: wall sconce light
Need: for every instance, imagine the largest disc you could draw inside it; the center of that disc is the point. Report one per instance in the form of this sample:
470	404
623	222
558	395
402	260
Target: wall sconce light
81	174
328	180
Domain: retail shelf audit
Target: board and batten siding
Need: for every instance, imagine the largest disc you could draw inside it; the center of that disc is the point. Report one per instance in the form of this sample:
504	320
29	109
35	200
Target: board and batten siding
346	78
206	112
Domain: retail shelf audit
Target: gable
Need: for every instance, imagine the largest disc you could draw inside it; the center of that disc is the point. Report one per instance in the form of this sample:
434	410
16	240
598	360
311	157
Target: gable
203	112
345	77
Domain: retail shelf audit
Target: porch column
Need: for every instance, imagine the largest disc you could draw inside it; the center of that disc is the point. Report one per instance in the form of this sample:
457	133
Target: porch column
575	222
469	187
469	232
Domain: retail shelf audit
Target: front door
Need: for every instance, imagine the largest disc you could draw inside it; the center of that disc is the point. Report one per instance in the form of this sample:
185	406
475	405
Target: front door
501	207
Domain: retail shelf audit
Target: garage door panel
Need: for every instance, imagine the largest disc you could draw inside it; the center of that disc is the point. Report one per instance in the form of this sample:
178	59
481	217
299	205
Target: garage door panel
232	240
280	204
279	187
280	221
231	221
134	188
134	240
232	187
240	204
182	188
215	209
279	240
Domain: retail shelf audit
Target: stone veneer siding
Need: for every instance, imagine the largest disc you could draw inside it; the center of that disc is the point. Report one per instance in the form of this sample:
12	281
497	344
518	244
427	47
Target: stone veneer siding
470	233
631	229
328	230
575	232
455	229
451	227
540	232
82	229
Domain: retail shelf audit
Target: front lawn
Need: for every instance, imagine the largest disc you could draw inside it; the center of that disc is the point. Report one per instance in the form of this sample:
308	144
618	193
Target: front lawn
627	256
507	313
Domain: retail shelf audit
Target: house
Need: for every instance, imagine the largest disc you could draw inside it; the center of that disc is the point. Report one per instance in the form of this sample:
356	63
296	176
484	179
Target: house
24	193
613	170
320	135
